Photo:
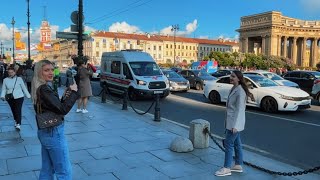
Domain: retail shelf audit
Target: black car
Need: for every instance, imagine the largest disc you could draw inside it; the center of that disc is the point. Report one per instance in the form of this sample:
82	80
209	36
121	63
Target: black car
222	72
196	78
176	69
305	79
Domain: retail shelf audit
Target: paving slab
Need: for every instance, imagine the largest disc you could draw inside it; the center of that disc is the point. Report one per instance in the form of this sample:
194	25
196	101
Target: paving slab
140	173
25	164
102	166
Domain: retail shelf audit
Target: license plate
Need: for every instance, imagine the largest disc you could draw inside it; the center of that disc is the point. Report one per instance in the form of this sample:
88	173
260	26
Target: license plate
157	92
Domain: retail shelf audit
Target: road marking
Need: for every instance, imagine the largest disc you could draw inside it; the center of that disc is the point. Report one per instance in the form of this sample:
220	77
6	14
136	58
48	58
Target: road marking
251	112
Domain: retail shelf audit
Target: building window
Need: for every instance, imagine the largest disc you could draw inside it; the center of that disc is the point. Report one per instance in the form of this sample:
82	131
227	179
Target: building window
171	46
182	47
167	53
194	48
104	45
159	55
97	54
214	49
154	47
159	48
97	44
170	53
178	54
167	45
179	47
182	54
154	56
200	48
186	47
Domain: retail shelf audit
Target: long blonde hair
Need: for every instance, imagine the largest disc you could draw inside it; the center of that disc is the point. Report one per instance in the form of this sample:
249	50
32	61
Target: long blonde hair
37	79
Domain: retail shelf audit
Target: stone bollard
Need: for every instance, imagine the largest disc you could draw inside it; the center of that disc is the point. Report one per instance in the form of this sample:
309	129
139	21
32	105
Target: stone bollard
196	135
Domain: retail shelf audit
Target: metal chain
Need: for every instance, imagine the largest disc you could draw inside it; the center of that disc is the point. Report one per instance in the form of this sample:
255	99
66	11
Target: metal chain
140	112
298	173
111	97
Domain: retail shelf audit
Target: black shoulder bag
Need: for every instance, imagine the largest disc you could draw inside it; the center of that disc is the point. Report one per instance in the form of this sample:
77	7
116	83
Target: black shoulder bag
46	119
9	96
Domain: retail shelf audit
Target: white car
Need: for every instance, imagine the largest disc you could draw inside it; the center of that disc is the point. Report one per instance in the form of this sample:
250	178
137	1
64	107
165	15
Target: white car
274	77
268	95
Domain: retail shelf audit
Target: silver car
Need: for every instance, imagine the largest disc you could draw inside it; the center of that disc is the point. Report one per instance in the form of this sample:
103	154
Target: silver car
276	78
176	81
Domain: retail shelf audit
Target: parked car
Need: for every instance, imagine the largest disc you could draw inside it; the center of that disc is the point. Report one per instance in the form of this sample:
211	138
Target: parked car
268	95
316	90
222	72
176	69
176	81
274	77
96	75
196	78
305	79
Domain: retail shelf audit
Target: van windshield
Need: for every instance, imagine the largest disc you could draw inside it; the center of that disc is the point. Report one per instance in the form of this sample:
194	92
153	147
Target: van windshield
145	68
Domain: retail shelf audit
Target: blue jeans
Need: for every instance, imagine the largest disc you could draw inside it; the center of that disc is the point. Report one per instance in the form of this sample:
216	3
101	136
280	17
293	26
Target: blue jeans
233	141
55	154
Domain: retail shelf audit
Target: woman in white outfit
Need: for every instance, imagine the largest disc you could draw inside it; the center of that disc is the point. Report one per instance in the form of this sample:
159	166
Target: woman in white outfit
14	85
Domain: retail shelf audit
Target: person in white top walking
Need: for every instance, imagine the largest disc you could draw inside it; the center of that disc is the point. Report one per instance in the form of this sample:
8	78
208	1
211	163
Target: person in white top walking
14	86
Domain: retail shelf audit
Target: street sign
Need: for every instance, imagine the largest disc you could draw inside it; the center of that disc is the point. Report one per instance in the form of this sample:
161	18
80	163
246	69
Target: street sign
71	35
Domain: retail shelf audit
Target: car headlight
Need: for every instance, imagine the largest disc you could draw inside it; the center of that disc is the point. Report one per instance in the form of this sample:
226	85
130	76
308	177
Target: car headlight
286	97
172	83
143	83
167	82
188	82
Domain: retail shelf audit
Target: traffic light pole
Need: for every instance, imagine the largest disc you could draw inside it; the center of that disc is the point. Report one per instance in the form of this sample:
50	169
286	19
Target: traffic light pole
80	29
28	14
13	22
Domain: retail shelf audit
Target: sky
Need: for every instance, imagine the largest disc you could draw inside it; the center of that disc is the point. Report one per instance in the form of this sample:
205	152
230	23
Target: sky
210	19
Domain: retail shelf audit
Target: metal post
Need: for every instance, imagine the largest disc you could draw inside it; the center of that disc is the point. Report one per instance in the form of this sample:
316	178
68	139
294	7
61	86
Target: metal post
174	29
28	15
104	94
13	22
80	20
125	100
157	109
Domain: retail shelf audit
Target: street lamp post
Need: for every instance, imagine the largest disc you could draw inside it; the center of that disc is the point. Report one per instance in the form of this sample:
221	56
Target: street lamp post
80	29
174	28
28	15
13	22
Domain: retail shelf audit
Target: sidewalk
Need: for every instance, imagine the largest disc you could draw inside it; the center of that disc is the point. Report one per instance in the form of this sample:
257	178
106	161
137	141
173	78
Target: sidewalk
108	143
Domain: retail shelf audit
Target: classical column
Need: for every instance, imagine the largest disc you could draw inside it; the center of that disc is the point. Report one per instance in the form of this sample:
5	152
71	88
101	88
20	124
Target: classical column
314	52
279	46
294	50
263	45
304	48
285	46
246	45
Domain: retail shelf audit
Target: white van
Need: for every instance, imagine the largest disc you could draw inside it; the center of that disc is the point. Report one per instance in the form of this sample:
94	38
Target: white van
133	70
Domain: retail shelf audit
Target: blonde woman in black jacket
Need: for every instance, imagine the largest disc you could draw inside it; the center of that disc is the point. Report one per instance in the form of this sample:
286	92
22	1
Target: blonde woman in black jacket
54	148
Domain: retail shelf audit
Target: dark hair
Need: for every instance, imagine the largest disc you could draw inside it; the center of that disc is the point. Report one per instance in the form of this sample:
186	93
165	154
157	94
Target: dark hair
11	68
80	62
242	83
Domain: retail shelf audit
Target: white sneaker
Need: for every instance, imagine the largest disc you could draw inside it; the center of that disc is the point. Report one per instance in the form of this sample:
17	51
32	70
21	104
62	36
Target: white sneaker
18	127
237	168
84	111
223	172
79	110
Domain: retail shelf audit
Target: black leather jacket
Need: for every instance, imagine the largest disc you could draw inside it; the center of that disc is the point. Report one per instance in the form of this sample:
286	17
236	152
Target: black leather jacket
50	101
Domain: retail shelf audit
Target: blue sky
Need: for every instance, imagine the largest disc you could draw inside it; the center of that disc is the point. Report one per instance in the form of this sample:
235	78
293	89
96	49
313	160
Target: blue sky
196	18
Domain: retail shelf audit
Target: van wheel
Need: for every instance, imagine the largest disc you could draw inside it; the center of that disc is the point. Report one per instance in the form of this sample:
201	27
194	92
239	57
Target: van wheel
198	86
132	96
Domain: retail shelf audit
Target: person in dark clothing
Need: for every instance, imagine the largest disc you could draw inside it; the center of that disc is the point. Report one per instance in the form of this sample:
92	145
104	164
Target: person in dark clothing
318	66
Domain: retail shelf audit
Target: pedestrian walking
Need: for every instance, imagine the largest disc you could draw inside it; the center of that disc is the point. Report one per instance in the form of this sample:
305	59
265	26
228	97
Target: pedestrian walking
13	91
84	73
54	148
234	124
28	75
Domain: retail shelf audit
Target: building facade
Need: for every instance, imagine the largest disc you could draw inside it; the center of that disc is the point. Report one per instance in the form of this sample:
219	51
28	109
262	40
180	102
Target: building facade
164	49
271	33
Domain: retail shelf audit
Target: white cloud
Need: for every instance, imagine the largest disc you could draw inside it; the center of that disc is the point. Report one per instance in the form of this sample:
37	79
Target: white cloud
189	29
236	37
124	27
311	6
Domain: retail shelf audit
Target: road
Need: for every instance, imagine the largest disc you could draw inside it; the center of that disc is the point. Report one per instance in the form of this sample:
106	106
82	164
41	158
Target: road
292	137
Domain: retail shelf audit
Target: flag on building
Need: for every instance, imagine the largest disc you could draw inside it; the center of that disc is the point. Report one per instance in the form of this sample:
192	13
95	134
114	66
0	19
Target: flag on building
33	47
47	46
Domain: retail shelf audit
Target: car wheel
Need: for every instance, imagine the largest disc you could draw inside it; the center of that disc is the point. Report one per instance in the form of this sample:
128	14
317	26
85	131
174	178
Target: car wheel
318	98
214	97
269	105
198	86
